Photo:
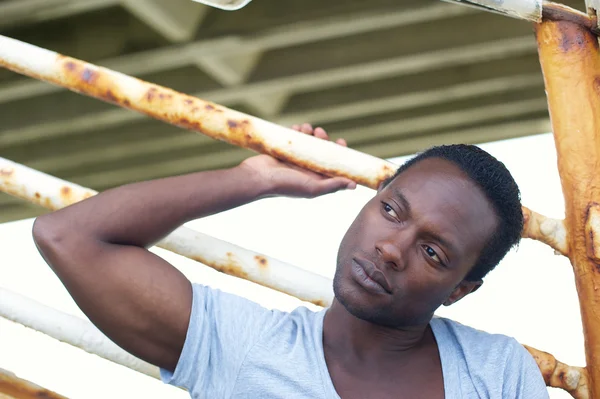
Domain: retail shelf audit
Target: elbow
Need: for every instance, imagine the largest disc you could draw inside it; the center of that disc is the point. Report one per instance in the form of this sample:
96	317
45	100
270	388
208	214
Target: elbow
49	236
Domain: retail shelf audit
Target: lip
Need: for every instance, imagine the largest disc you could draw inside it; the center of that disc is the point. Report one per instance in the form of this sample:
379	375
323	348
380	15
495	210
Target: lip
370	277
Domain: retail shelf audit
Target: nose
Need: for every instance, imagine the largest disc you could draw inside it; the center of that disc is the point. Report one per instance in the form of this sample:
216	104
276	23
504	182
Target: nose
391	254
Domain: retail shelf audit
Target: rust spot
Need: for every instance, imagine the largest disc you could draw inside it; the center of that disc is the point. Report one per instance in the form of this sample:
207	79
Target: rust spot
110	96
209	107
150	94
187	124
230	266
16	387
126	102
592	232
37	195
232	124
319	302
575	31
188	101
526	215
289	142
65	193
70	66
6	172
561	376
89	76
547	374
47	203
263	263
562	13
231	269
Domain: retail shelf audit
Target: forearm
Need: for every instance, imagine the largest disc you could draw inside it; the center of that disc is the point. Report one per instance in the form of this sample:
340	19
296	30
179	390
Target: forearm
141	214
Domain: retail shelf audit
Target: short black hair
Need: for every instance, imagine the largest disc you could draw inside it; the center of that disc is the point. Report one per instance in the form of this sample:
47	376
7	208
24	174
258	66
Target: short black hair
499	187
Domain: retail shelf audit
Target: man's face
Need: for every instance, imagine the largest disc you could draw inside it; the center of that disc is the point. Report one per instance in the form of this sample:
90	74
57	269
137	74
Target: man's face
412	245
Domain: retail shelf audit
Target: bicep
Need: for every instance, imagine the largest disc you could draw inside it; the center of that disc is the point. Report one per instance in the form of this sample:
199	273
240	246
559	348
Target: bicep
136	298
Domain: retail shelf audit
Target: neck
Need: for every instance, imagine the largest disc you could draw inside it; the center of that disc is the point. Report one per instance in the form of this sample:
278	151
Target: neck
350	337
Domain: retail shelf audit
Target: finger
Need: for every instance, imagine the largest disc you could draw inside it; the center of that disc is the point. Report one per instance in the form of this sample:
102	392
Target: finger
342	142
296	127
321	133
307	128
328	186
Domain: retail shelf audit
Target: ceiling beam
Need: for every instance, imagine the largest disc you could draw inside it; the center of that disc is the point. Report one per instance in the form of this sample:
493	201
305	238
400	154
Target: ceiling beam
270	39
441	95
229	70
449	120
333	77
176	20
477	135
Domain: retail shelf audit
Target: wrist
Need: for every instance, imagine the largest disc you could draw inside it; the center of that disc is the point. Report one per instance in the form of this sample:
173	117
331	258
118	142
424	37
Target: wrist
258	181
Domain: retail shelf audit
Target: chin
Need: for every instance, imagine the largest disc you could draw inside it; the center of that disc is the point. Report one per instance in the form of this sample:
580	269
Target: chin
360	304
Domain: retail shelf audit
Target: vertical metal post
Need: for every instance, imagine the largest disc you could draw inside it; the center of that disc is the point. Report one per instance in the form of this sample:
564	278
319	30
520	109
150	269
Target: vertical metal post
570	61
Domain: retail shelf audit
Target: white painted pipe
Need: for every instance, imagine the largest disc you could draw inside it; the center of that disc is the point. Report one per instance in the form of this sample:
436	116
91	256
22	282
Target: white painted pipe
68	329
530	10
53	193
194	114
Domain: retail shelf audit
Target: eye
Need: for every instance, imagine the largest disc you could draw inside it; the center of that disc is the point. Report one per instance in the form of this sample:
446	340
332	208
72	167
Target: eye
432	254
389	210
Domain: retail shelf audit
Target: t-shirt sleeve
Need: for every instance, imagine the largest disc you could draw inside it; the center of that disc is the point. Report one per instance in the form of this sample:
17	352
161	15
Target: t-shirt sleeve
525	378
222	329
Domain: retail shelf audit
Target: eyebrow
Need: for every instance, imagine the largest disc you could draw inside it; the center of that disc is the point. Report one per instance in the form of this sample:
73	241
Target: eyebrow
429	233
443	242
402	198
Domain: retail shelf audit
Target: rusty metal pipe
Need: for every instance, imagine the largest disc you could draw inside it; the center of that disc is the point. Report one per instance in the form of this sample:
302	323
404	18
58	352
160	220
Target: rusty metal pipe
12	386
201	116
53	193
570	60
215	121
559	375
194	114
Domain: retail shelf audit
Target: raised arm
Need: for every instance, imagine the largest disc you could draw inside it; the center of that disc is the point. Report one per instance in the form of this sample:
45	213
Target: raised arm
98	247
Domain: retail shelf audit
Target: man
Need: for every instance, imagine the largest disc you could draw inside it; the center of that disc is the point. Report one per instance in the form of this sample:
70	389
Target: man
427	238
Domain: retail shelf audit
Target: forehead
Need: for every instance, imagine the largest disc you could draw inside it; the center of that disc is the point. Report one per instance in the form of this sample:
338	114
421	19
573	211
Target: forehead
442	197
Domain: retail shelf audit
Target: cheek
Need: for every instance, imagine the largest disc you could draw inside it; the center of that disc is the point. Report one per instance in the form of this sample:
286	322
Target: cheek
422	282
357	233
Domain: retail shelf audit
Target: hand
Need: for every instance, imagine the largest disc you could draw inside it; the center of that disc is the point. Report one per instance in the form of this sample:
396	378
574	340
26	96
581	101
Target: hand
284	179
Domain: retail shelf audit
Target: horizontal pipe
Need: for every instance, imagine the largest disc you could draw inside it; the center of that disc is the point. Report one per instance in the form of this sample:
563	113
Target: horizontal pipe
552	232
84	335
530	10
13	387
188	112
193	113
574	380
53	193
69	329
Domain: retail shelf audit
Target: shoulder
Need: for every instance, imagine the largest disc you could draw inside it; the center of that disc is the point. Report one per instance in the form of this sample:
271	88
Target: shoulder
452	332
493	362
478	345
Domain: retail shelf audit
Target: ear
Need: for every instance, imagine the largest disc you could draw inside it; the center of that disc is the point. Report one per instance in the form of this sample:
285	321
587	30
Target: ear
462	290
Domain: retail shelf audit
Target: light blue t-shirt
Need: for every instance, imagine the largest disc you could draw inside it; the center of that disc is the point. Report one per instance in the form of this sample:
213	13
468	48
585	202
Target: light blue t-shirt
237	349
